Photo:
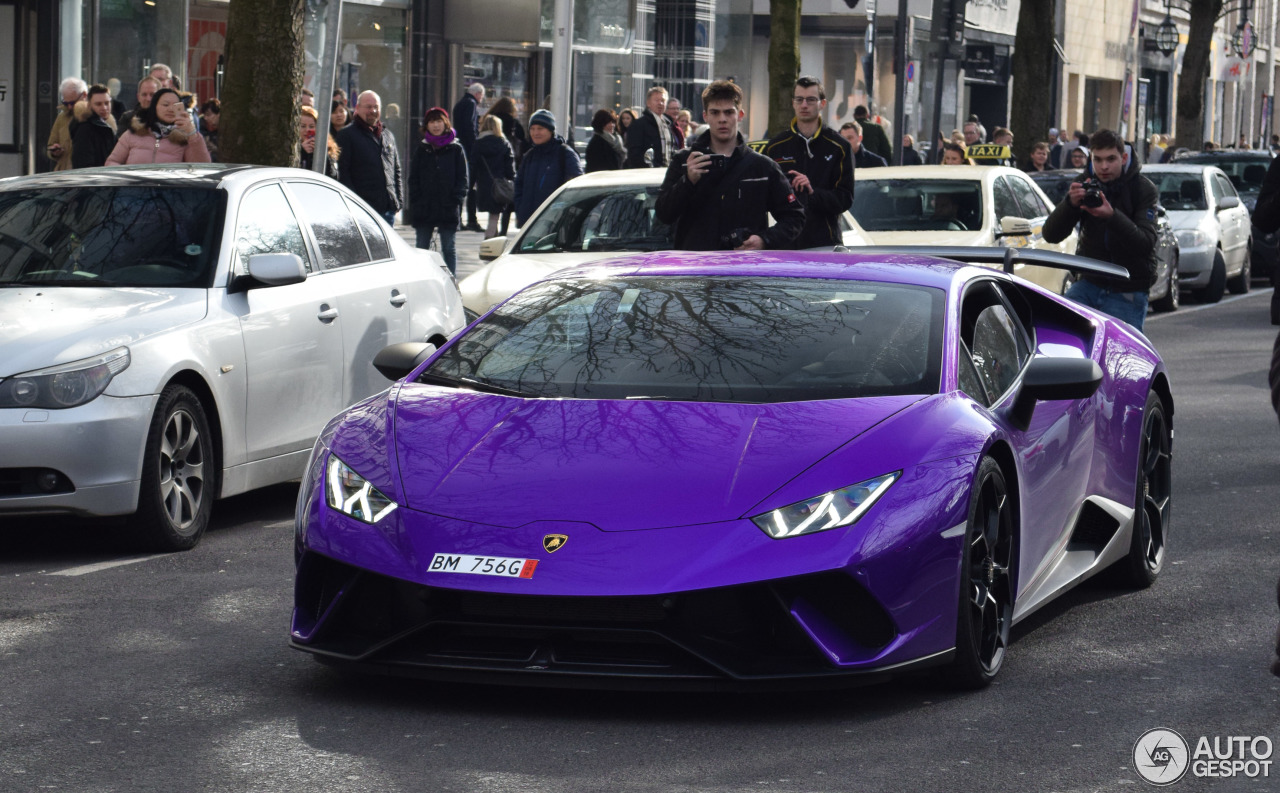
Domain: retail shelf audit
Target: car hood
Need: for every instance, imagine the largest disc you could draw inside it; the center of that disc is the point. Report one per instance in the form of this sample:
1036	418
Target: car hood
619	465
963	238
1187	219
48	325
509	273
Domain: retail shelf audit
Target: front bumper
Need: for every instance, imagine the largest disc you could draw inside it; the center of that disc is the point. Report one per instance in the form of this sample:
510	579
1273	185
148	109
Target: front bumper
1195	265
95	448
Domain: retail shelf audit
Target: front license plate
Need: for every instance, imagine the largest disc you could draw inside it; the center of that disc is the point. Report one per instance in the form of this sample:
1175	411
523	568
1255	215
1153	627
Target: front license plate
483	565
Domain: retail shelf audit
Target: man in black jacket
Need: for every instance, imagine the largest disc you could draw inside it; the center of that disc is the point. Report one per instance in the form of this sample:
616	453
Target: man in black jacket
1117	217
819	163
719	193
466	122
370	163
874	136
653	131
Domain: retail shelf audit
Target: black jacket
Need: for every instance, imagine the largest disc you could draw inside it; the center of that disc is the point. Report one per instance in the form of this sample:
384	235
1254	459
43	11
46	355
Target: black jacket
546	166
750	188
643	135
466	121
911	157
603	154
438	183
513	131
828	162
1266	216
1127	238
306	161
92	138
867	159
491	158
874	138
370	166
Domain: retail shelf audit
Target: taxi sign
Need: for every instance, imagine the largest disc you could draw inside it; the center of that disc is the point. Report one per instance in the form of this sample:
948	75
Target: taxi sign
758	145
988	151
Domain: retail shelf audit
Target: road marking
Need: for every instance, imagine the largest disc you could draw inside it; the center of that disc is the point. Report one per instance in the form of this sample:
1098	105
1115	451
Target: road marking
100	566
1183	310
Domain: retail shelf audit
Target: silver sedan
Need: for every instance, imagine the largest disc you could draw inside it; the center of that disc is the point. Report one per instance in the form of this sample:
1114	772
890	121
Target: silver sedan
171	335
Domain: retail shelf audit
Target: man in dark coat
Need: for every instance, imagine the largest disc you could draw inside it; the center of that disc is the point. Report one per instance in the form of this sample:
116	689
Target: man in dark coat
819	163
873	135
370	162
653	131
852	132
1120	229
93	131
466	122
549	163
909	154
719	193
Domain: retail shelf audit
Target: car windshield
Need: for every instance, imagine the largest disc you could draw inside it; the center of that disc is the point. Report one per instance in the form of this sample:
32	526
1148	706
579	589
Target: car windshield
109	236
918	204
616	218
1179	192
1055	184
1246	173
703	339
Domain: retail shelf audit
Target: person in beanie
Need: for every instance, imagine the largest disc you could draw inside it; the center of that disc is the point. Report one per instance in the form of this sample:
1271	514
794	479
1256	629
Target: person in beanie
438	181
548	163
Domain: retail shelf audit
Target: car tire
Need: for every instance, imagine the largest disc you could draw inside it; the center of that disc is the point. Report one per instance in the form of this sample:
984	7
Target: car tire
1170	301
1153	499
1217	280
986	594
179	474
1240	284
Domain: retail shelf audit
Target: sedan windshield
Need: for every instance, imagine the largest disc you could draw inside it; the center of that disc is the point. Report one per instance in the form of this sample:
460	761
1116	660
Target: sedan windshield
109	236
617	218
702	339
1179	192
918	204
1245	173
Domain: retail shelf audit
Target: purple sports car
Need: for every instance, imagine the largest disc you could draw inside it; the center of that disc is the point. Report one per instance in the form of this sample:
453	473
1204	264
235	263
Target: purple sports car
733	470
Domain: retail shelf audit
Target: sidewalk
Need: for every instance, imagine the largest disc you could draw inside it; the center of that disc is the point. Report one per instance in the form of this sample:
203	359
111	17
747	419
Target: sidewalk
467	242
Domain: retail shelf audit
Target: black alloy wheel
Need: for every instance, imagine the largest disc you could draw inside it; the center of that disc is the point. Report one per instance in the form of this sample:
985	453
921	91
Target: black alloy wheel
1153	502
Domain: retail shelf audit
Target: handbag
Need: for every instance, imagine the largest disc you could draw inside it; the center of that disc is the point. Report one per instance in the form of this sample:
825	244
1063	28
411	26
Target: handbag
504	189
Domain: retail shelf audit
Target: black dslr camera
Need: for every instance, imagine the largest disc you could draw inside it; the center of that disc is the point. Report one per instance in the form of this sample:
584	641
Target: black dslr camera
735	238
1092	193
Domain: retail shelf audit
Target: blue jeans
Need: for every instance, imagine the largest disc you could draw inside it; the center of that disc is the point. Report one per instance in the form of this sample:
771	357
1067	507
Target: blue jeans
447	247
1128	306
390	217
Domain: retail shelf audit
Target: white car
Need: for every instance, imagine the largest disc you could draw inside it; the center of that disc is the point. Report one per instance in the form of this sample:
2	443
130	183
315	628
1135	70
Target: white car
591	217
174	334
982	205
1212	225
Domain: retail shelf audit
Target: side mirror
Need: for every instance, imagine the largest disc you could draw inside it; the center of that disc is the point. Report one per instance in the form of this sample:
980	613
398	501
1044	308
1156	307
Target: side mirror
1051	379
1013	226
277	269
492	248
1228	202
398	360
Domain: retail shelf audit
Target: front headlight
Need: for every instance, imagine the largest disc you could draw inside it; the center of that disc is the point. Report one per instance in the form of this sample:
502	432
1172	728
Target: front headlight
828	511
66	385
352	495
1192	238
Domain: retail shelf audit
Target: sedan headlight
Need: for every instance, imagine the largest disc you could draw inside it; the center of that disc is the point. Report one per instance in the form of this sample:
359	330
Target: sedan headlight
352	495
831	510
1192	238
66	385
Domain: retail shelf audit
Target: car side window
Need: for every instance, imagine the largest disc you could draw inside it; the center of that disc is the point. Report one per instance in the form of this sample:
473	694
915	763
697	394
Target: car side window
993	342
1223	186
374	237
1215	185
266	224
1004	201
969	381
1033	207
337	234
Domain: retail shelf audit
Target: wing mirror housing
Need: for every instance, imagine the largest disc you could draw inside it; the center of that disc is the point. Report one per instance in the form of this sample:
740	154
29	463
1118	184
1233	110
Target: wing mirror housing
492	248
277	269
396	361
1048	379
1013	226
1228	202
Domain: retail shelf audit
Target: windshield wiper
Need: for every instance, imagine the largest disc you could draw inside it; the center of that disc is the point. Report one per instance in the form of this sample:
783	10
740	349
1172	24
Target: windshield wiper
477	385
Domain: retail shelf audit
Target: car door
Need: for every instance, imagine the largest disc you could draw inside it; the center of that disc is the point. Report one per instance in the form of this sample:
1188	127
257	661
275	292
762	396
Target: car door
1234	222
292	334
374	293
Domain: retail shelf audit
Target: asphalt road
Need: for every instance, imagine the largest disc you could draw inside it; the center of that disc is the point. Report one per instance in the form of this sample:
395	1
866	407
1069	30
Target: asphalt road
172	673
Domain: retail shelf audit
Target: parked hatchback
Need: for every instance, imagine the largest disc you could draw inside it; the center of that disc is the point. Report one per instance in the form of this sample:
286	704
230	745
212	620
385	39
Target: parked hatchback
174	334
1212	226
1246	169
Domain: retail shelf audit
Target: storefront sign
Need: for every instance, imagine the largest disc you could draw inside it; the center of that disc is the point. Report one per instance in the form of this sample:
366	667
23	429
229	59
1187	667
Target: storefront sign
980	63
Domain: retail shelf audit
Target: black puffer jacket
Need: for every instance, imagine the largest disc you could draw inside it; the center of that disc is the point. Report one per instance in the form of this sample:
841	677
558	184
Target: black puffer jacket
705	212
827	160
92	138
370	166
437	184
491	158
1127	238
1266	216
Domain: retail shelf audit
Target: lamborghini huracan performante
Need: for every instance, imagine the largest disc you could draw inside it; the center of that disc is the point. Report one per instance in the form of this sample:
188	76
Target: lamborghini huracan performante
736	470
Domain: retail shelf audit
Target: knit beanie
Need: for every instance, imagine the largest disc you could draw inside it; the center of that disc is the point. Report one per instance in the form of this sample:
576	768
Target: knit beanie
543	118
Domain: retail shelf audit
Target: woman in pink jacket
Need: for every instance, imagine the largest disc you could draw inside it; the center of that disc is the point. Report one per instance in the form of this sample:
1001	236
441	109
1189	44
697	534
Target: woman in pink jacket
161	133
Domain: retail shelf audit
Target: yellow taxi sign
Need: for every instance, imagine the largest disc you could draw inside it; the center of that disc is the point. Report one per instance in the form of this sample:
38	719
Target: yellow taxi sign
758	145
988	151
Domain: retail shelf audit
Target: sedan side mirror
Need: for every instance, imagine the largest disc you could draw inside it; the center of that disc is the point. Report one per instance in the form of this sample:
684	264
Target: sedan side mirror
398	360
277	269
1050	379
1228	202
491	248
1013	226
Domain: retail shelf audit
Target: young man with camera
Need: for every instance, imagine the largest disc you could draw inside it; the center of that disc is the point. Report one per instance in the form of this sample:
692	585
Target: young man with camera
719	193
1115	206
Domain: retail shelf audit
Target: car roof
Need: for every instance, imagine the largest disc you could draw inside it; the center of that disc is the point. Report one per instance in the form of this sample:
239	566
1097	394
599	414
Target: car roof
637	176
965	172
207	176
1214	156
1179	167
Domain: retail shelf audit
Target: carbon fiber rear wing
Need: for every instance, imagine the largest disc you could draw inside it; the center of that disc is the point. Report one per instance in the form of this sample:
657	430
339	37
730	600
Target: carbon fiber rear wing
1005	257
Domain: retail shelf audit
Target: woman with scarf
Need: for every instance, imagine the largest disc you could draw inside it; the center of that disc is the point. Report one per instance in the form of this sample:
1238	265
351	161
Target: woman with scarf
605	150
308	118
438	183
162	132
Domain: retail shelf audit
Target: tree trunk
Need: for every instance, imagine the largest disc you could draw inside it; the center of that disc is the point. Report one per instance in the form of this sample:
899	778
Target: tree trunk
784	61
264	56
1195	70
1033	55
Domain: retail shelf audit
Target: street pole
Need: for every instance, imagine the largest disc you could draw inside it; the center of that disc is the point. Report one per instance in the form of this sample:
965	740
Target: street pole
562	66
900	55
324	82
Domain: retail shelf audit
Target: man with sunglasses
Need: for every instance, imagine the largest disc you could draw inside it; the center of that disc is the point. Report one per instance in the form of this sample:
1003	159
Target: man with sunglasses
58	149
819	164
